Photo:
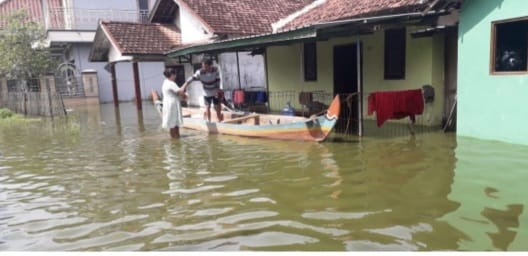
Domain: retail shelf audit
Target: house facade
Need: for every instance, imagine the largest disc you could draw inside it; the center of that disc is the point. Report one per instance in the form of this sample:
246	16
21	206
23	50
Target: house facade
493	72
208	21
71	27
355	49
337	70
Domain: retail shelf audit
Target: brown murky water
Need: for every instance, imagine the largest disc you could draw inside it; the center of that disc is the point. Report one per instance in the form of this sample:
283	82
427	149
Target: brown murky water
112	180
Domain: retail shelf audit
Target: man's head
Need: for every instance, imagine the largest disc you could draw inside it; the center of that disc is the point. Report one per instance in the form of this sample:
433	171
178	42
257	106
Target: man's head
207	64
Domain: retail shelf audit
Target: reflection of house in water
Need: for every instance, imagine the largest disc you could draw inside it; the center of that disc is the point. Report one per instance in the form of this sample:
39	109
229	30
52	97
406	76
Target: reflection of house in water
403	187
372	195
489	179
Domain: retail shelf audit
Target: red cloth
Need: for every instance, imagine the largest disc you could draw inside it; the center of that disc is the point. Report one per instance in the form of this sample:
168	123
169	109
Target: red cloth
395	105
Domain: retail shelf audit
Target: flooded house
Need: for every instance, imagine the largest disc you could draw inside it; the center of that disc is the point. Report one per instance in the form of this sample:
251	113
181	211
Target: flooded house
198	22
493	71
122	42
357	49
70	26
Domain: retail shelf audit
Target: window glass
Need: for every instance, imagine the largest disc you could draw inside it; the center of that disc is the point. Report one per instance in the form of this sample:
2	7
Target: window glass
310	61
510	46
395	53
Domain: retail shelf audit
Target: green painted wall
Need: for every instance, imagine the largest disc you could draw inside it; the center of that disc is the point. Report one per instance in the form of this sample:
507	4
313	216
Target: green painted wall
489	106
424	65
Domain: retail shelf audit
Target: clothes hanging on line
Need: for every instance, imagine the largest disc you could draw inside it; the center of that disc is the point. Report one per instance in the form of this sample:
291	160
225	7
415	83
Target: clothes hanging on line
395	105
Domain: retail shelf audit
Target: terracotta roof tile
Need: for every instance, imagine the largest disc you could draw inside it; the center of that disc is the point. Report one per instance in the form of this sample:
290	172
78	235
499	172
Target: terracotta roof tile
135	38
333	10
243	17
32	7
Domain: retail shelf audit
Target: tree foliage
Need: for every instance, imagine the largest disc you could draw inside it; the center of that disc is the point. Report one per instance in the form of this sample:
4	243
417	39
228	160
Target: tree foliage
23	53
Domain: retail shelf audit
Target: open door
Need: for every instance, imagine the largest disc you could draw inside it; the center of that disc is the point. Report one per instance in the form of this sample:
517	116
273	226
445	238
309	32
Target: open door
347	82
451	61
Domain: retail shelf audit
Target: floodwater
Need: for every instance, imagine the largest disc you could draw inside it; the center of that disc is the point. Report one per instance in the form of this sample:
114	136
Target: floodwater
112	180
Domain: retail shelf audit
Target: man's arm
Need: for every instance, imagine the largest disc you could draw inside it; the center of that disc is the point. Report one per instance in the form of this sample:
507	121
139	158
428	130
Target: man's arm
194	77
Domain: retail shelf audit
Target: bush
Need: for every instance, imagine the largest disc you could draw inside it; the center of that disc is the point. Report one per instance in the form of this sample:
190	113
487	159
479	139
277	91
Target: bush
5	113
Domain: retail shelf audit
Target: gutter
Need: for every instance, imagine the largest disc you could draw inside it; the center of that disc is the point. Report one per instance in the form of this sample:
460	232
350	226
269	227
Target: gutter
248	42
371	19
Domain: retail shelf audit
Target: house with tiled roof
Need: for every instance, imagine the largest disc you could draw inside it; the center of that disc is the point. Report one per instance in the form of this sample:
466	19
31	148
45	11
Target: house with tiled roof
71	27
201	21
118	42
225	18
357	48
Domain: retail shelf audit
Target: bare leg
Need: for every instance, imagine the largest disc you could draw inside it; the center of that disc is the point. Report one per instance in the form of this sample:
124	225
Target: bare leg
411	124
175	132
208	112
218	108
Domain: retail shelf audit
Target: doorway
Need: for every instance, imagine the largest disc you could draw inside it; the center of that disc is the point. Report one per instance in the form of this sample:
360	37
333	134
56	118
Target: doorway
347	85
451	60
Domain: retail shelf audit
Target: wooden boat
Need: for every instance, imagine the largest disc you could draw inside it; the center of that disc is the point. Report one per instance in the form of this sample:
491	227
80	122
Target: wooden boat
314	128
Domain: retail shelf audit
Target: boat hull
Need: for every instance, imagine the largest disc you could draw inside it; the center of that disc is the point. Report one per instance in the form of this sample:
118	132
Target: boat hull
315	129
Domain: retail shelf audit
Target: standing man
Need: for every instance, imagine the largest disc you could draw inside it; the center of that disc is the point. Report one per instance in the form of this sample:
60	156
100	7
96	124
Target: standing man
209	75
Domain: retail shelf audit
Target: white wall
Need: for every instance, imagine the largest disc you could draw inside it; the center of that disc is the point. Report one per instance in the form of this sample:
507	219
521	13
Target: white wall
252	72
150	75
192	29
106	4
252	75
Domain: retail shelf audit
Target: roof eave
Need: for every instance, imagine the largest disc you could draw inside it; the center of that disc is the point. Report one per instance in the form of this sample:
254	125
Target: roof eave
298	34
250	42
99	44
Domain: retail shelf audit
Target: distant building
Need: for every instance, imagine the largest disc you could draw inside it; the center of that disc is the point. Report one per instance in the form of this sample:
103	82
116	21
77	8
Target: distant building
71	27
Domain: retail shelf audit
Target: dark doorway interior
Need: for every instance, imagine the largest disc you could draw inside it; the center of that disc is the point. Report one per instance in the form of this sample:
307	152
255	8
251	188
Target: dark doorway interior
346	83
180	74
451	60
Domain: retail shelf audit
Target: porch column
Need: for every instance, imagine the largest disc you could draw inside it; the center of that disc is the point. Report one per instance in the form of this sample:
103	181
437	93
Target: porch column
136	85
114	84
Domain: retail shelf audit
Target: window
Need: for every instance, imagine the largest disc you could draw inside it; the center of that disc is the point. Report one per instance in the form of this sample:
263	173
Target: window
395	53
310	61
31	85
143	7
509	46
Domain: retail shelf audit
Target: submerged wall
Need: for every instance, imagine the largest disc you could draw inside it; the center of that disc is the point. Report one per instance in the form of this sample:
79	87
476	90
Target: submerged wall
424	65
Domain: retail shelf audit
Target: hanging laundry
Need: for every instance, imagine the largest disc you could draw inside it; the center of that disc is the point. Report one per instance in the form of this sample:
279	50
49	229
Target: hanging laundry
395	105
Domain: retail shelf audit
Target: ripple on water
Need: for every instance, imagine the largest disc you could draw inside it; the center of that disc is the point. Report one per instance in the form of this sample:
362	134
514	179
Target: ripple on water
256	241
125	186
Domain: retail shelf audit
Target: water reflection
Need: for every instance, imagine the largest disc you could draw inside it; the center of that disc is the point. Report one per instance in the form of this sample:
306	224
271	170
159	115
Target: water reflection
489	185
107	179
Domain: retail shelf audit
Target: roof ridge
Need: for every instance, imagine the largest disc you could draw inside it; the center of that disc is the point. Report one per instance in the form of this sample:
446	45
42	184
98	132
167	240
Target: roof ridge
284	21
333	10
138	23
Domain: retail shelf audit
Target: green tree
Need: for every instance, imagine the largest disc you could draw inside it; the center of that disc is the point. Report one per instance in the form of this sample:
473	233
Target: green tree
23	51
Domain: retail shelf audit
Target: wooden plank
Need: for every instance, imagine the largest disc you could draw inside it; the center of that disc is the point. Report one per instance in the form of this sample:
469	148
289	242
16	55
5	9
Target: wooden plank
242	118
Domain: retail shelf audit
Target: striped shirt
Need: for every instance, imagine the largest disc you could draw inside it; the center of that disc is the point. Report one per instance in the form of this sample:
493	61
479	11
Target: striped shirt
210	80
